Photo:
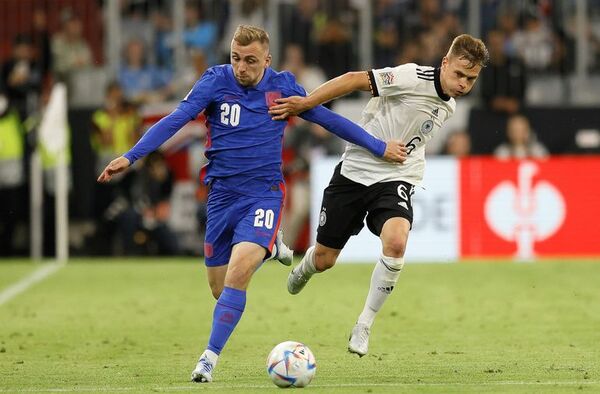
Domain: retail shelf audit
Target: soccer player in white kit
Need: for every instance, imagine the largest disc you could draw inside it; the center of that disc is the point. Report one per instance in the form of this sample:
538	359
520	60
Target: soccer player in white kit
410	103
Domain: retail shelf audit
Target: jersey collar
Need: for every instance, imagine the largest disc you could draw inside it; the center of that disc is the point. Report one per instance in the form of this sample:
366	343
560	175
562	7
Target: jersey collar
263	82
438	85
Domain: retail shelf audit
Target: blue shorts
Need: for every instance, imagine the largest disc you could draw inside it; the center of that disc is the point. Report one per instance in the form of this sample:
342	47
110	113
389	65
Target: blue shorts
233	218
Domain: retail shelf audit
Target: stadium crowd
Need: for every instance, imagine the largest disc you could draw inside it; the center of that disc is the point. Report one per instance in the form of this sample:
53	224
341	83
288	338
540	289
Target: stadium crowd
531	44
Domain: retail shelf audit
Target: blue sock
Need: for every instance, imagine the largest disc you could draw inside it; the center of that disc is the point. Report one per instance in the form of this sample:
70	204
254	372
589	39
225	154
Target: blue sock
226	316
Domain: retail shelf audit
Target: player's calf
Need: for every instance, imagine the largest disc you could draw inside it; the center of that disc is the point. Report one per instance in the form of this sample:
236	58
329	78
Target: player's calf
302	273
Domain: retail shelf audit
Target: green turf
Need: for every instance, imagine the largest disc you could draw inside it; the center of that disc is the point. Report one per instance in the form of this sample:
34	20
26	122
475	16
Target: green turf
13	270
139	326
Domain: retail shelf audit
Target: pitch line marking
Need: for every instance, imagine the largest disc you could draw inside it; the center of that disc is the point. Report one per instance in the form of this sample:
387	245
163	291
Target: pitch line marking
25	283
194	387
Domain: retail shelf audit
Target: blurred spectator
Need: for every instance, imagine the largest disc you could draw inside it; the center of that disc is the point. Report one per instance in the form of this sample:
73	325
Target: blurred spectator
521	142
163	32
135	24
70	51
430	51
41	42
335	49
408	54
535	44
297	26
242	12
142	224
387	34
427	15
309	77
115	128
509	25
200	33
503	81
458	144
192	72
142	82
22	77
12	178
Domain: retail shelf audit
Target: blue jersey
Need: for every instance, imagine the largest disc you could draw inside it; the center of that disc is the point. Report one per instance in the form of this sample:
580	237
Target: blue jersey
244	143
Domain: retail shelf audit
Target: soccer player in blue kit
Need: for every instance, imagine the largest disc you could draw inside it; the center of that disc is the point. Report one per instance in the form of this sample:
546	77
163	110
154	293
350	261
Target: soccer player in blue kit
247	189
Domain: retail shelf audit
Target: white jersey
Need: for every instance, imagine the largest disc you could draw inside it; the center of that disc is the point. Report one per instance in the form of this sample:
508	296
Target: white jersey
409	105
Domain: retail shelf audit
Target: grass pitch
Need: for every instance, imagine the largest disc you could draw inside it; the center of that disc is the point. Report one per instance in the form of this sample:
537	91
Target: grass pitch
139	326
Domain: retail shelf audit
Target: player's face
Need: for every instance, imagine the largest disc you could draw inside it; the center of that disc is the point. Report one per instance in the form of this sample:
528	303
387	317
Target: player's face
456	77
249	62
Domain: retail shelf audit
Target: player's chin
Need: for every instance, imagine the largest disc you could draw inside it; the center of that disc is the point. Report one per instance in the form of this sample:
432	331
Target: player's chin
243	82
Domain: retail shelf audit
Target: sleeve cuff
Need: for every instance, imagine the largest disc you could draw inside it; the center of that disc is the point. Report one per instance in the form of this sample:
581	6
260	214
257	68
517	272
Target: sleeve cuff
372	84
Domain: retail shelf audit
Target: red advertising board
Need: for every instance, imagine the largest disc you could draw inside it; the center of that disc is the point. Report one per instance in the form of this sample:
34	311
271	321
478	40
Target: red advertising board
530	208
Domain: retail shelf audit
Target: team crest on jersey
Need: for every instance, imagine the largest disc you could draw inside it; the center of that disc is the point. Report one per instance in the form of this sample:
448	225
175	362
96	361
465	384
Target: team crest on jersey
208	249
427	126
387	78
322	218
270	98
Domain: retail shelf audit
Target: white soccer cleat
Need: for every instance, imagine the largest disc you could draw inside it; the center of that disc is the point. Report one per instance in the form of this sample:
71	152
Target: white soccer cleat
359	339
203	371
284	254
297	280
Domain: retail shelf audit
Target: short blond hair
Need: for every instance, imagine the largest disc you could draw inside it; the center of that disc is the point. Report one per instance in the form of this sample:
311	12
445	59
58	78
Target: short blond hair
470	48
246	35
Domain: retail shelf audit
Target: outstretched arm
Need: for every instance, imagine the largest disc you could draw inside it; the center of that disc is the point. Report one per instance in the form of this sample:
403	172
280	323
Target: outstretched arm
337	87
154	137
351	132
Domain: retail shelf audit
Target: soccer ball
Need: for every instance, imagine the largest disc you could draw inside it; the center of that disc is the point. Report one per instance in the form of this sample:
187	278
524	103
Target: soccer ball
291	364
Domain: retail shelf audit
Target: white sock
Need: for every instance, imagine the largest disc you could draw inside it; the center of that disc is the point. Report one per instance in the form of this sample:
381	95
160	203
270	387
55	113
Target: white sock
212	356
307	265
384	278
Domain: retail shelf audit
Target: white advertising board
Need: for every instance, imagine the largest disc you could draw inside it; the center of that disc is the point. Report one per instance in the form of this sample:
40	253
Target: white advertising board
435	233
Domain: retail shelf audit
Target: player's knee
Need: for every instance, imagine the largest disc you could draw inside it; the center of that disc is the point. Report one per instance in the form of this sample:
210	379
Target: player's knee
394	247
324	259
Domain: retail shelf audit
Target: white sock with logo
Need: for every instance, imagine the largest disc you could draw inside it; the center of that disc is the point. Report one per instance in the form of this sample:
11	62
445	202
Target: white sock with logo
307	265
384	278
211	356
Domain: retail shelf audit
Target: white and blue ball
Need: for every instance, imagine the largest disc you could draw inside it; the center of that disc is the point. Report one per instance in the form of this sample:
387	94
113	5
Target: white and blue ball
291	364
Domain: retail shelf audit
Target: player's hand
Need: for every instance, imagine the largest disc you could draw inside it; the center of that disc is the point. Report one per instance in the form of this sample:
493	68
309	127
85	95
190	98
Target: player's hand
116	166
289	106
395	151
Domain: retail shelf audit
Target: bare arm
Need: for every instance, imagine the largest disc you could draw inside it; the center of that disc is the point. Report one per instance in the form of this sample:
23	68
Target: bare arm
337	87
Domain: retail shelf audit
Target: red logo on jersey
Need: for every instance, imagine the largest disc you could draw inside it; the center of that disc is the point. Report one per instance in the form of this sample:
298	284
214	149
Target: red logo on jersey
208	249
270	98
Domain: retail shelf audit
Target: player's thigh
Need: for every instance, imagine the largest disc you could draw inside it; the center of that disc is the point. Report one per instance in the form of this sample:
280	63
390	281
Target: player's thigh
220	214
390	208
216	279
258	222
342	211
246	257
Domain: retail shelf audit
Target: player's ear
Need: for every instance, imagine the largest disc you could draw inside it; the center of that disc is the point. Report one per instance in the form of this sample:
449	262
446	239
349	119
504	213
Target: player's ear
268	60
445	61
